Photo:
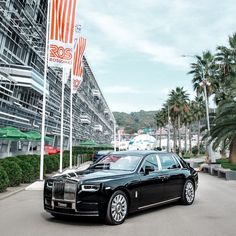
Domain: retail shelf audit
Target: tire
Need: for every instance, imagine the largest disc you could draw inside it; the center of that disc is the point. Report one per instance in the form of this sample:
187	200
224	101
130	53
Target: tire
188	193
117	208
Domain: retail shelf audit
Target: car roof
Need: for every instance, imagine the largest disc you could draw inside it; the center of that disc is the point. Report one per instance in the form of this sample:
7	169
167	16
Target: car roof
139	152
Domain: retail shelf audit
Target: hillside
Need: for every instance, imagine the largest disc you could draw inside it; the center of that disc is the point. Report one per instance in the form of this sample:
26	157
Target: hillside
134	121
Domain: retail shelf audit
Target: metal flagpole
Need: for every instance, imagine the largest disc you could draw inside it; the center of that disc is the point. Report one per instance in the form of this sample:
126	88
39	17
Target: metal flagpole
71	114
62	120
114	135
44	94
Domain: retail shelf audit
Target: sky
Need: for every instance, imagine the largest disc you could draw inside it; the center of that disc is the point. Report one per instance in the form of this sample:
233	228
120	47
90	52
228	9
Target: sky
135	47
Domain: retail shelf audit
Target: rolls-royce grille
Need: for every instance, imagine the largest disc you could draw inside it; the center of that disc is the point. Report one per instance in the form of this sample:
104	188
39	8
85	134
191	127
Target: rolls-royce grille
64	191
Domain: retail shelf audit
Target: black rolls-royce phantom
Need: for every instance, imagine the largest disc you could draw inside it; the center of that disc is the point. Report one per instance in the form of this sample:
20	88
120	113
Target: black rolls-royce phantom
121	183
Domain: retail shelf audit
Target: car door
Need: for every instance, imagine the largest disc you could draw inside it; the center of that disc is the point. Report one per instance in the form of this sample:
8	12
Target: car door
174	177
151	184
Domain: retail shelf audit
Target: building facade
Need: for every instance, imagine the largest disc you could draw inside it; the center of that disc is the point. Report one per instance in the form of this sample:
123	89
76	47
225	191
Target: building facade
22	48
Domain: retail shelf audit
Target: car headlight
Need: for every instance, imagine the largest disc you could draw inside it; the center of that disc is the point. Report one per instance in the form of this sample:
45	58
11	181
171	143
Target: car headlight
49	184
90	187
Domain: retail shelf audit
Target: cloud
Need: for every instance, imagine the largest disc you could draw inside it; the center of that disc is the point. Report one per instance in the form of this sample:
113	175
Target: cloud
116	30
120	90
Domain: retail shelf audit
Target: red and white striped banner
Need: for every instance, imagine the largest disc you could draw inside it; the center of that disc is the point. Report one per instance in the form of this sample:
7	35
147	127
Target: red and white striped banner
61	33
77	74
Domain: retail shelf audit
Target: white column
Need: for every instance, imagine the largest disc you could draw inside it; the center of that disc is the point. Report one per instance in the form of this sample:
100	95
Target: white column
44	95
71	118
62	121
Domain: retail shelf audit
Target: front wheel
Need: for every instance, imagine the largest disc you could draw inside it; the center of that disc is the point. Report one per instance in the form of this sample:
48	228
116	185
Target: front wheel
188	193
117	208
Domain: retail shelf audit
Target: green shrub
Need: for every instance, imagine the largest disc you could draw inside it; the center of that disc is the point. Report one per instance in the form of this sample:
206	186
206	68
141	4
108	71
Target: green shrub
4	180
13	171
28	175
66	160
48	164
34	161
26	168
56	161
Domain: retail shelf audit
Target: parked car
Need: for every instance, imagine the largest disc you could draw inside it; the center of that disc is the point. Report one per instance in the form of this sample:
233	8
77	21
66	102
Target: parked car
100	154
50	150
121	183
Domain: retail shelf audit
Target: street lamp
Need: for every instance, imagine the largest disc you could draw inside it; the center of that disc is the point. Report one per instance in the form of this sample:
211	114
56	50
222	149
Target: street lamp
204	83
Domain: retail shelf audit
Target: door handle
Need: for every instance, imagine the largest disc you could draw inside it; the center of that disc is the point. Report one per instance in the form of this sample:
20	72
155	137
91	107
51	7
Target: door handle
163	177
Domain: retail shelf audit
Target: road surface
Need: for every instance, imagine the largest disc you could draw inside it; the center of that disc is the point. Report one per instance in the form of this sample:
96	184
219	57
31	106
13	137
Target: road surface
213	213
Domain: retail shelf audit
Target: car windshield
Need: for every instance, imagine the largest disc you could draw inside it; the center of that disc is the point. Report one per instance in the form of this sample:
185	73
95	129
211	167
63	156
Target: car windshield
118	162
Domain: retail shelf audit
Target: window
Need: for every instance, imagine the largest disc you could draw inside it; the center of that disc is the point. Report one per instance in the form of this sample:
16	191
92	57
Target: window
150	160
168	161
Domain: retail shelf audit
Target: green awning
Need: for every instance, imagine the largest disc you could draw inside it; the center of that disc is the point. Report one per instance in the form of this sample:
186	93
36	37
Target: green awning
11	133
33	136
89	143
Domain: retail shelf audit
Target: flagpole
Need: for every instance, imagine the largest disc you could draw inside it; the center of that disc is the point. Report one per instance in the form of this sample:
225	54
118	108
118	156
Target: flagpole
71	114
62	119
44	95
114	135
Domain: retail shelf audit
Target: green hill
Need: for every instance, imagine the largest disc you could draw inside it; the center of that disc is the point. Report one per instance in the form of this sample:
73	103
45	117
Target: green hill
134	121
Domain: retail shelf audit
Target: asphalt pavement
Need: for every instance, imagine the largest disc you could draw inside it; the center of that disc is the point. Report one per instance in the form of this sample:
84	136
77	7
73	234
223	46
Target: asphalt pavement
213	213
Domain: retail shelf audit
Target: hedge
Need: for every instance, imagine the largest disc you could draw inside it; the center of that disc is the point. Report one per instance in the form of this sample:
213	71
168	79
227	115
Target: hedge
26	168
13	171
4	180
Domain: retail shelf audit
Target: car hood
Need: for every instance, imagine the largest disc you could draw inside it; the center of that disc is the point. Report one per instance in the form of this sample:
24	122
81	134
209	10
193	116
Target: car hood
93	175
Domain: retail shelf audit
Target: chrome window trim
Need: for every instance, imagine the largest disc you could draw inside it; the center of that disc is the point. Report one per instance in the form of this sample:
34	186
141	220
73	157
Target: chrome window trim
173	156
143	159
176	158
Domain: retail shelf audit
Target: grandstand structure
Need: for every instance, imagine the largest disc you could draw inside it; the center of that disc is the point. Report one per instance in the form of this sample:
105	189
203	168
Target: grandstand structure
22	49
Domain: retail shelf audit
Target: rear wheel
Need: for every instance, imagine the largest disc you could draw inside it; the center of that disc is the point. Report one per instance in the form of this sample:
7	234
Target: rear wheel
117	208
188	194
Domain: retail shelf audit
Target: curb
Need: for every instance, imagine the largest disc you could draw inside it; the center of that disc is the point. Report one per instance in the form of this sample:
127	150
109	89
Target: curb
11	193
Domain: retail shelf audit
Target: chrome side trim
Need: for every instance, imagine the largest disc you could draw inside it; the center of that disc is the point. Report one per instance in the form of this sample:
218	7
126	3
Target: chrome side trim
159	203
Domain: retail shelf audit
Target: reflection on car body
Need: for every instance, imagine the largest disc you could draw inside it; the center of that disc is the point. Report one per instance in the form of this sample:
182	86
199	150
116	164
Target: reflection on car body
121	183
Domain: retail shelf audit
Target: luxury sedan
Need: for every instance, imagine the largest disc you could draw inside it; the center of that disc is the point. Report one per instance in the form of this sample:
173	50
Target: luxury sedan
121	183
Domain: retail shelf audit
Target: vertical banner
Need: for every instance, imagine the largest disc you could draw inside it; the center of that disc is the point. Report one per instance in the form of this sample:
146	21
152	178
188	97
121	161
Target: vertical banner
61	33
61	43
77	72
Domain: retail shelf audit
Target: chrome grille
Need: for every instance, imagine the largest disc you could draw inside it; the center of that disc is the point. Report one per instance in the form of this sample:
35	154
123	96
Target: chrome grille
64	191
70	191
58	190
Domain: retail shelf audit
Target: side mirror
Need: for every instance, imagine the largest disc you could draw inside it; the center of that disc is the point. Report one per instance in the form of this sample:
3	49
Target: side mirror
148	169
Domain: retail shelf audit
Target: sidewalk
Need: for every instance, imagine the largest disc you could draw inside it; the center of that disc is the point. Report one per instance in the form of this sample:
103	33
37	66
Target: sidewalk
194	162
38	185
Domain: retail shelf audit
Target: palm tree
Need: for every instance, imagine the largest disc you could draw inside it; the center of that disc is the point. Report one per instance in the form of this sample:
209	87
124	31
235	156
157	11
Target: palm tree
160	118
178	104
226	73
204	69
198	111
224	129
189	119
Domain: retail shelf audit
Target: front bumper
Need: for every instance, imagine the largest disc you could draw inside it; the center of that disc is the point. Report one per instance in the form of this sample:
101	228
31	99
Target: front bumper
68	199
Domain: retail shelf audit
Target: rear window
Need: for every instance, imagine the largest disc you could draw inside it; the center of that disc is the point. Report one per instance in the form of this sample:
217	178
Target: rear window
168	161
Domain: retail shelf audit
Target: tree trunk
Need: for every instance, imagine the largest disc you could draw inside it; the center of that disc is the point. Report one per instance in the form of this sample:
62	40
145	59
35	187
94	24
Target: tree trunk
179	138
174	139
190	139
198	137
185	139
160	131
232	154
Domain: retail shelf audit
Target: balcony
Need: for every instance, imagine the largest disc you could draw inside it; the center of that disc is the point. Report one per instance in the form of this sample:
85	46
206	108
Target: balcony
106	133
106	111
98	128
85	119
96	93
